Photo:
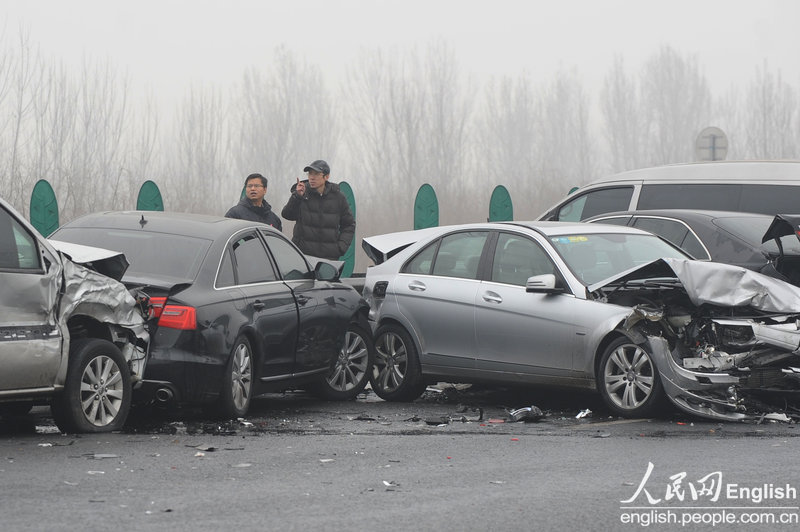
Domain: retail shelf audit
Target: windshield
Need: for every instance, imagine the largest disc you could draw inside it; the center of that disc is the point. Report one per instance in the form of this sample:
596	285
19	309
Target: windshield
145	251
595	257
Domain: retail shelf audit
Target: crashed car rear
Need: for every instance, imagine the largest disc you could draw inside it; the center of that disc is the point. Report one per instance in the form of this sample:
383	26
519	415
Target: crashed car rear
70	336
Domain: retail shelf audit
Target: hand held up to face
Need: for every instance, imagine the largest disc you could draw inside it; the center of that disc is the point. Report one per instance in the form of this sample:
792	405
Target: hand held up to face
300	188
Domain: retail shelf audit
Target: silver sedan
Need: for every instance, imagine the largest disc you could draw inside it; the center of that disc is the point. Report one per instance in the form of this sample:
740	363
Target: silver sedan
590	306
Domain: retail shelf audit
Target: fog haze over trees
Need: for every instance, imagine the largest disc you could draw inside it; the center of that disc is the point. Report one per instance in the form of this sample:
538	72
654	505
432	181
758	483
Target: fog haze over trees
401	117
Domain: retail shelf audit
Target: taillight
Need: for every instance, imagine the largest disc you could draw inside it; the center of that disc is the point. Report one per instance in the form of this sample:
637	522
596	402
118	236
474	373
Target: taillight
156	306
173	316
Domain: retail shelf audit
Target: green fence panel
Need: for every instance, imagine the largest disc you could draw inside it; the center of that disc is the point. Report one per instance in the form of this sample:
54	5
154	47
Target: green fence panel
426	208
349	256
500	207
149	198
44	208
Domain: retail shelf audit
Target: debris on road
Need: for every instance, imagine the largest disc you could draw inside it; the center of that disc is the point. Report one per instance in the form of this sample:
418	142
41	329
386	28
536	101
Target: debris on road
526	413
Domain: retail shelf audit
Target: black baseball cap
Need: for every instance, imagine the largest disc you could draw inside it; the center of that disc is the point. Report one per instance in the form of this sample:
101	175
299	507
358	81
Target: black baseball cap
318	166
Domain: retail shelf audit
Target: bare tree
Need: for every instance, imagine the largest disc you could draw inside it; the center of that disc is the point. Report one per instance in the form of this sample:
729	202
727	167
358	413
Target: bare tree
201	163
623	119
772	118
385	100
510	129
449	108
283	119
676	101
141	157
22	86
566	137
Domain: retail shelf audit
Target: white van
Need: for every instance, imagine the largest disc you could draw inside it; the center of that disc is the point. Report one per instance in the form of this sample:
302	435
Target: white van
767	187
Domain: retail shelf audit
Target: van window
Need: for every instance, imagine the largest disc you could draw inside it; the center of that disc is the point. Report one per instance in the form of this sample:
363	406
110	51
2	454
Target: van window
770	199
764	199
689	196
595	202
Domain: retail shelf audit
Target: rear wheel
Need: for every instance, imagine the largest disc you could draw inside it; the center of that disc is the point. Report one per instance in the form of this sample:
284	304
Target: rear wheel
237	387
628	380
396	374
350	372
97	393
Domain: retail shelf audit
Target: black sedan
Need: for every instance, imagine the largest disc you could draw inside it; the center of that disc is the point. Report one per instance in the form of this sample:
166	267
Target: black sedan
237	310
758	242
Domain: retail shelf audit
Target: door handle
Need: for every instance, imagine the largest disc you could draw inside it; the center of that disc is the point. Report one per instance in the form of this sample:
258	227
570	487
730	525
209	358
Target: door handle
492	297
258	304
302	300
417	286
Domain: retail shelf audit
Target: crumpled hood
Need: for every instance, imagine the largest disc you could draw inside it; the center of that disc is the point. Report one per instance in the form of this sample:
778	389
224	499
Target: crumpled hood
717	284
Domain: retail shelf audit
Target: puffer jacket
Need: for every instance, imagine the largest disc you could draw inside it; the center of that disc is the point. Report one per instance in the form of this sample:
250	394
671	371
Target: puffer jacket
245	210
324	226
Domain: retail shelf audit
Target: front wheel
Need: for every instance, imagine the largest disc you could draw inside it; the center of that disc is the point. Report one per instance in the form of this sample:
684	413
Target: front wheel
396	375
628	380
350	372
97	393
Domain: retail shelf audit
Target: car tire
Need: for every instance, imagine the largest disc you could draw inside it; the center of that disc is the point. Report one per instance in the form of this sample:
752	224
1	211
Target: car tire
396	374
97	393
237	385
350	372
628	380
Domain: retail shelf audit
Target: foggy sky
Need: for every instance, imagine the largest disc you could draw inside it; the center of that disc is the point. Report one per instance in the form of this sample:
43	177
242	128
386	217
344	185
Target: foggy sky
169	45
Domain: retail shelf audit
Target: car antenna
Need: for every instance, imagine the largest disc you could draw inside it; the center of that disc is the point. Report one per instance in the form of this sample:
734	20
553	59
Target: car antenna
142	221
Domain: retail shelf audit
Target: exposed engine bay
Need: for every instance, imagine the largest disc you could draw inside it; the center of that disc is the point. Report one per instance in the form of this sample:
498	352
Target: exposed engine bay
720	361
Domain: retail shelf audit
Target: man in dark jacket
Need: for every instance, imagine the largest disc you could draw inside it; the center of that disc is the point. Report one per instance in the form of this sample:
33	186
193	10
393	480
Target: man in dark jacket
324	226
253	207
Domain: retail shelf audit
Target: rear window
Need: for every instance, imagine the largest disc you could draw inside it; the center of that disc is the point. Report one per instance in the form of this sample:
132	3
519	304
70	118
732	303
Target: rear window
145	251
752	229
765	199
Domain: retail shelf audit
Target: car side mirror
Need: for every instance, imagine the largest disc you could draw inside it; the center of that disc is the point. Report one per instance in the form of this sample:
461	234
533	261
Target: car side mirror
543	284
325	271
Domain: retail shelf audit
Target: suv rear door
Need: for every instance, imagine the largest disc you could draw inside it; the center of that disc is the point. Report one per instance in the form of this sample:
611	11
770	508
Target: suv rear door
30	339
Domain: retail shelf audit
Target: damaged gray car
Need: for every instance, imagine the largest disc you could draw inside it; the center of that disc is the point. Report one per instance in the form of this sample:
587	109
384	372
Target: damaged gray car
608	308
71	335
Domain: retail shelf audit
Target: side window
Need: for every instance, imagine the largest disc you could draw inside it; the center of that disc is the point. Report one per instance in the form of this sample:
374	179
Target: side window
421	263
596	202
690	196
694	247
516	258
291	262
252	262
675	231
18	248
459	255
770	199
225	276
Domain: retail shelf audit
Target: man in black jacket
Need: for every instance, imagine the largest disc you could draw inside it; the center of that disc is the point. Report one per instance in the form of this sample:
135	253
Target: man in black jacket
254	207
324	226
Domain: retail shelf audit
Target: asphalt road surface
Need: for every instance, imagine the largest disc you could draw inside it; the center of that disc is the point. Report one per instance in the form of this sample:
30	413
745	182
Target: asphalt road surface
452	460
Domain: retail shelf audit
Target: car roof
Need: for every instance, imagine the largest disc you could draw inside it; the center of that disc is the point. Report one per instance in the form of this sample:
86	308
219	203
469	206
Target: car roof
778	170
381	247
567	228
681	214
176	223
